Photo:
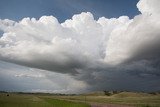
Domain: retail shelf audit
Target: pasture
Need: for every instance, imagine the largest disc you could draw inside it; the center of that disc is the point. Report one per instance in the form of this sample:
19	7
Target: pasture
123	98
85	100
33	100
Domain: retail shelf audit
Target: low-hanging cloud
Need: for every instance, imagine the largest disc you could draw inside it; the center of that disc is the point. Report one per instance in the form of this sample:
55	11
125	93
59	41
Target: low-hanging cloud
114	48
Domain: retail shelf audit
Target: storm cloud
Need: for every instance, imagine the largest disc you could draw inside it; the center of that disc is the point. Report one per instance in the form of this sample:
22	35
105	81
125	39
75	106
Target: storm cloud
116	53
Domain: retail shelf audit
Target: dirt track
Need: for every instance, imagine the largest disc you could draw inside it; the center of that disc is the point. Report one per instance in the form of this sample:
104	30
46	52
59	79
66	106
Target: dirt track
108	105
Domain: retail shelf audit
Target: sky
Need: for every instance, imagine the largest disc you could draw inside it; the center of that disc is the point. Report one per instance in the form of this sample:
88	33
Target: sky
78	46
65	9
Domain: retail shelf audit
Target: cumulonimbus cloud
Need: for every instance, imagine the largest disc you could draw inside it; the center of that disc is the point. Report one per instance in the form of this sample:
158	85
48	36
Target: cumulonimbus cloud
82	43
47	44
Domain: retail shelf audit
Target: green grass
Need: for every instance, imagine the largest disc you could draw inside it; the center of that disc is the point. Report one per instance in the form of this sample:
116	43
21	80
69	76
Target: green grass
26	100
63	103
48	100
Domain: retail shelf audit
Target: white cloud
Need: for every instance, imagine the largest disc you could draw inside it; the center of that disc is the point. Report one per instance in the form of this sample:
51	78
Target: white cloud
45	43
149	6
5	24
80	41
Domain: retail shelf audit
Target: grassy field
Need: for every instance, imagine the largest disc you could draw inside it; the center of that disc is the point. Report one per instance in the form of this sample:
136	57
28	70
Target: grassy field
123	98
27	100
49	100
